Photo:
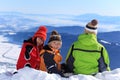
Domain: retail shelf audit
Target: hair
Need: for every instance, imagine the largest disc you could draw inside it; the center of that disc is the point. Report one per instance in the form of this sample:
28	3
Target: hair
55	36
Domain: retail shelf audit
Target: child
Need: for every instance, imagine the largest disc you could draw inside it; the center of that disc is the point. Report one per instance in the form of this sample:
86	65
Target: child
50	54
87	55
29	55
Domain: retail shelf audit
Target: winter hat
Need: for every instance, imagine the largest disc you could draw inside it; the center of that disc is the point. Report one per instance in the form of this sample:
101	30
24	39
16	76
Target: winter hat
92	26
55	36
41	32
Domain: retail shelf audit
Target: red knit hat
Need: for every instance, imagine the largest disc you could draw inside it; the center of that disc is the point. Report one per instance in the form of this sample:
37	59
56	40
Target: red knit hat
41	32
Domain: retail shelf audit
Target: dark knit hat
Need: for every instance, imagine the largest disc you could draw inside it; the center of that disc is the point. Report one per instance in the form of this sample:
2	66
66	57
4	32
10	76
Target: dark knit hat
92	26
55	36
41	32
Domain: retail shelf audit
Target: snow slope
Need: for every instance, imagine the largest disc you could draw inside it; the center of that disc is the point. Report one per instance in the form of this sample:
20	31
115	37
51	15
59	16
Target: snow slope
8	54
32	74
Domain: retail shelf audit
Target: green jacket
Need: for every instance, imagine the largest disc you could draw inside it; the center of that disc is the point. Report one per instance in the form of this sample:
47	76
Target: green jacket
87	56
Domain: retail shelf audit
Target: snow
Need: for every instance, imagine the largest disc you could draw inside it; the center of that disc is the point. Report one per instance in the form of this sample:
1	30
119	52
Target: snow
2	38
105	42
9	54
32	74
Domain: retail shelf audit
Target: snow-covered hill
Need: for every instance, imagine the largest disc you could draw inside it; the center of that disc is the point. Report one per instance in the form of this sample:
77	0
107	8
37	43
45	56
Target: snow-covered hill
8	54
32	74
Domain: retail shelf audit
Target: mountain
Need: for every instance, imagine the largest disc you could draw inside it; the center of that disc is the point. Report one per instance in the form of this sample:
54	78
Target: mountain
113	36
73	30
102	19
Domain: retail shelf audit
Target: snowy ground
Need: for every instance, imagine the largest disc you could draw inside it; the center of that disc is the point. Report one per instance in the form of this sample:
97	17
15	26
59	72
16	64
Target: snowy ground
8	54
8	57
32	74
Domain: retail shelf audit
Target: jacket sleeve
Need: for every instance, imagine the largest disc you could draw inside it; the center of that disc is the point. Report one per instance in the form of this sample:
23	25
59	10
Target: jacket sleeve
106	58
70	60
50	63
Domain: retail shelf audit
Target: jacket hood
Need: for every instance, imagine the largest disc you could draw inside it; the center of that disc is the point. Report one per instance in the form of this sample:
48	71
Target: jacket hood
87	39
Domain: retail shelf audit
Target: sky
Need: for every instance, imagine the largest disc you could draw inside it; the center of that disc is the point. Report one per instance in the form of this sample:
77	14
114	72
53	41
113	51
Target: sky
74	7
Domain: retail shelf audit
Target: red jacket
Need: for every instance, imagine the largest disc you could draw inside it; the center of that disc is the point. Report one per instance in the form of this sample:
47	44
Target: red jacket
29	56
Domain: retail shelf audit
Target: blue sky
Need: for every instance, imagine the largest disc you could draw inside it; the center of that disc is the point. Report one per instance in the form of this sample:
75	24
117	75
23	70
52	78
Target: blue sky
75	7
